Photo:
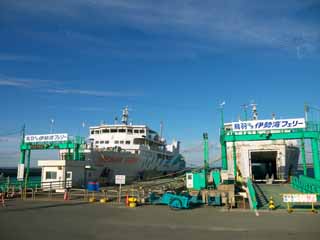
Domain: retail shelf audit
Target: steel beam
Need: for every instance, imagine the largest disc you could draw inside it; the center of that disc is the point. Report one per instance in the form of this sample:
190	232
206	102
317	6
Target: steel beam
270	136
315	155
303	157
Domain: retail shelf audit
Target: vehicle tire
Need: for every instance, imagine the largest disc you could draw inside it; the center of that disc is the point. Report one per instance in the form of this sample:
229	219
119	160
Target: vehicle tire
175	204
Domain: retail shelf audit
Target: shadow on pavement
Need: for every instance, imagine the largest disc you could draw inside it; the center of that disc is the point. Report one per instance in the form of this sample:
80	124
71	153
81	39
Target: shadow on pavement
9	208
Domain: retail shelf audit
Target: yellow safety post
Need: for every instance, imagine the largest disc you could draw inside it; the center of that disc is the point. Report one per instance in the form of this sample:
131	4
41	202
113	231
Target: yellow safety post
313	210
132	202
92	199
103	200
289	209
271	204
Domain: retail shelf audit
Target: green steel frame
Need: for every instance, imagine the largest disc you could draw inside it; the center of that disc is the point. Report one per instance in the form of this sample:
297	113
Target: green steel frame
75	144
312	132
206	157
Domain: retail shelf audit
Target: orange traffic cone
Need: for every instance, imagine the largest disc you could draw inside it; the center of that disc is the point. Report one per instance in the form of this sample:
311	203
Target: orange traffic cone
127	200
2	199
65	196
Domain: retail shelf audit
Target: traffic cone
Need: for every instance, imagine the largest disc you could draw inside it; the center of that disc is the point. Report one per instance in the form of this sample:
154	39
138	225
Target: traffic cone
127	200
65	196
2	199
271	204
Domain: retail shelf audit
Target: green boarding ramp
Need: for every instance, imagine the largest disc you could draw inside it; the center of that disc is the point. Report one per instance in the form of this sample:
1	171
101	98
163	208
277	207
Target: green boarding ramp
265	191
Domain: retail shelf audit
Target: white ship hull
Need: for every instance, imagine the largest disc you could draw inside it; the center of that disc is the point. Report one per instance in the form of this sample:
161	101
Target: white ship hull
107	164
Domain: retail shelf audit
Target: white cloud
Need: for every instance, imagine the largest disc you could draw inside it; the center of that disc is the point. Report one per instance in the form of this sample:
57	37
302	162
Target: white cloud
92	93
20	58
45	86
275	24
23	82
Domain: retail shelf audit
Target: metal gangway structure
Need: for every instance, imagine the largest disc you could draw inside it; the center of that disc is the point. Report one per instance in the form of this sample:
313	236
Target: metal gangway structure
311	132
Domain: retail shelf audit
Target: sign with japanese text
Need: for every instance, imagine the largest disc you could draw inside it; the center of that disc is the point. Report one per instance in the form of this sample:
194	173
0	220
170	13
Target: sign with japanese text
20	173
58	137
121	179
263	125
299	198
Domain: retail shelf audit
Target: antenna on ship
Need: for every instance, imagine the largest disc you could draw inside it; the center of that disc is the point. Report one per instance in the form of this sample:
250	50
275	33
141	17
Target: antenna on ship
125	116
254	111
51	125
245	111
161	129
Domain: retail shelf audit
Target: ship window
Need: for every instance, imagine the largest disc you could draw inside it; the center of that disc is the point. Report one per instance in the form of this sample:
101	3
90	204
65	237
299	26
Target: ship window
105	130
92	132
107	142
101	142
96	132
122	130
114	130
129	130
142	131
51	175
97	142
127	142
116	142
121	142
136	131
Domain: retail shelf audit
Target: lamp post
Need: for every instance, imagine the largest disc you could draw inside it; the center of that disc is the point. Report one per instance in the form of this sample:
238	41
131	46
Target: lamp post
222	139
86	168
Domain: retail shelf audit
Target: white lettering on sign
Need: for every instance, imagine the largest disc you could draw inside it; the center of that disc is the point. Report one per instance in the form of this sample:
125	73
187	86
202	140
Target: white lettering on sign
263	125
121	179
59	137
299	198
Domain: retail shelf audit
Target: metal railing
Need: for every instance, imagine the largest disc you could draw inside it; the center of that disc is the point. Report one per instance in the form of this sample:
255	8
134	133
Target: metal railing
306	185
252	195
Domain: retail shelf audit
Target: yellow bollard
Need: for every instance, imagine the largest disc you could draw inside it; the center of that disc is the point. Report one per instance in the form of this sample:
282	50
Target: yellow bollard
271	204
103	200
313	210
289	209
132	202
132	205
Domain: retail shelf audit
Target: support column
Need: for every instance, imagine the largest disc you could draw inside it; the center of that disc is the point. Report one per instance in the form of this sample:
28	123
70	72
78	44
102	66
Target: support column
315	156
206	157
223	143
28	164
234	156
224	155
22	156
303	157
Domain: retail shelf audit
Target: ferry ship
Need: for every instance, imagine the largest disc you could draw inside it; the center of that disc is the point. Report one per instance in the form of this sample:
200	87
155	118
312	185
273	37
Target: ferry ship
136	151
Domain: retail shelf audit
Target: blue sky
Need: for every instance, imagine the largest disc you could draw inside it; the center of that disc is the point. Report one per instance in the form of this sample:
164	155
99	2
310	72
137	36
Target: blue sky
172	61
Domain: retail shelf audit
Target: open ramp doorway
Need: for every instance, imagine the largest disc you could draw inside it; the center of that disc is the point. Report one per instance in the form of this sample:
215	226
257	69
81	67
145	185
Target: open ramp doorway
263	165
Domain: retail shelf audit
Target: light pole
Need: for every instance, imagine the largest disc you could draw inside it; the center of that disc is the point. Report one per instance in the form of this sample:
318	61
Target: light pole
222	140
51	125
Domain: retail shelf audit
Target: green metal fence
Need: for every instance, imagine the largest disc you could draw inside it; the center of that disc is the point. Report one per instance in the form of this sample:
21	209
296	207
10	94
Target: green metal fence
17	185
306	185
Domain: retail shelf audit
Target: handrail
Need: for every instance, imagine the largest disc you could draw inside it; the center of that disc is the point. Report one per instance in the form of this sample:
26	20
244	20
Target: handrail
252	195
306	185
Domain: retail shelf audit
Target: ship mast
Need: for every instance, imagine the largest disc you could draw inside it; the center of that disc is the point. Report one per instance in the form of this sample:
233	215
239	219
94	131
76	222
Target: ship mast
125	116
